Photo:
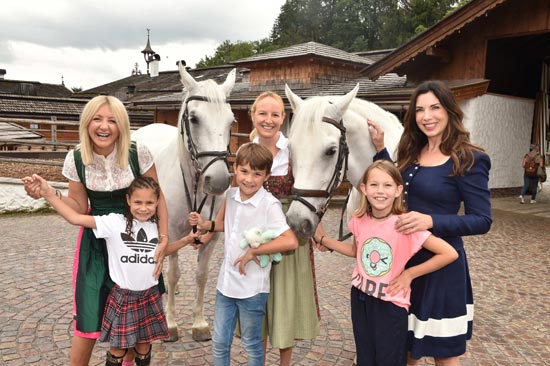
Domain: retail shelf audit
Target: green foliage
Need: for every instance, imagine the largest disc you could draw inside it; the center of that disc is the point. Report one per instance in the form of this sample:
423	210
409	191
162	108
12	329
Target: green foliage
228	51
350	25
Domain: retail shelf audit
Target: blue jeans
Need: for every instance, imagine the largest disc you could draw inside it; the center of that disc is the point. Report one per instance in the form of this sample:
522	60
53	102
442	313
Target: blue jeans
530	182
250	312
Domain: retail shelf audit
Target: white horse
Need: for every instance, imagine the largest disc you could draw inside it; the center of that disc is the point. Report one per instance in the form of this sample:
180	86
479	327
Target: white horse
323	130
191	164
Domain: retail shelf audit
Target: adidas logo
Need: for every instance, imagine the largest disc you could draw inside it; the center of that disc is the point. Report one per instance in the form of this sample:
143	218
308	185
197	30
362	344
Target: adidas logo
141	246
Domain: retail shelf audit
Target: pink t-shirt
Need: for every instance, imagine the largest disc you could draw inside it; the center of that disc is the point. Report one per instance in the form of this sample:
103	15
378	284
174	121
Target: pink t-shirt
382	253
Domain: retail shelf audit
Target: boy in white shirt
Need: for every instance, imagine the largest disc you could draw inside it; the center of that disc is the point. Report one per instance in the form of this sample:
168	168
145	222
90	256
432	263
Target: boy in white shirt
243	285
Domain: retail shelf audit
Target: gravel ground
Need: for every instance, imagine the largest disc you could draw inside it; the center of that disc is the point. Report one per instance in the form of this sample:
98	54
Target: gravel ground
17	170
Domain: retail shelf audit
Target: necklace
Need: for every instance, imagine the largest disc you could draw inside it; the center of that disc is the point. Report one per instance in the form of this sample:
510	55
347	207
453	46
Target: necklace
380	217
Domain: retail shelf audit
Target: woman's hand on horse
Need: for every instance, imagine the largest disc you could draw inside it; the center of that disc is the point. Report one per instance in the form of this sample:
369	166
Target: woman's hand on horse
376	135
412	222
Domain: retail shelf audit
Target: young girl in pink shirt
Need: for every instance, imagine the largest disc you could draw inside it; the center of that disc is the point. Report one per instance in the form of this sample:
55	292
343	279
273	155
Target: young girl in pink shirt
380	289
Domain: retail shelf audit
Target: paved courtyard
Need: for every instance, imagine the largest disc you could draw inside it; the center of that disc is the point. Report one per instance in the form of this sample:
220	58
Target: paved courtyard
510	268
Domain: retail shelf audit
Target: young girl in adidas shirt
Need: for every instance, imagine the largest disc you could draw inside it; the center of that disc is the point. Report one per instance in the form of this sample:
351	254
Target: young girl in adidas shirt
133	316
380	289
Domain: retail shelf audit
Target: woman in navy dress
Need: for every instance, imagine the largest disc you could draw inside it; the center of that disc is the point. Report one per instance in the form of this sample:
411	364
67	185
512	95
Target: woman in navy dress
441	169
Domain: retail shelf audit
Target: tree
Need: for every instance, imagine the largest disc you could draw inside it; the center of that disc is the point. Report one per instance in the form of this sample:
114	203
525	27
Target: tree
357	25
228	51
350	25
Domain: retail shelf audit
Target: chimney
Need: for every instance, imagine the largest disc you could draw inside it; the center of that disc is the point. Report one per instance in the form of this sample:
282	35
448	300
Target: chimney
2	73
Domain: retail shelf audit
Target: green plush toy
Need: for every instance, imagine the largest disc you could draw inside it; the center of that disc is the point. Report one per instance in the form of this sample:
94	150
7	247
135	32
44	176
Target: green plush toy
253	238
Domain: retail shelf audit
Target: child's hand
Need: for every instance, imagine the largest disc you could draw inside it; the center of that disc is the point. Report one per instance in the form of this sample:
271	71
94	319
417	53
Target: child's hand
159	258
400	283
36	187
195	219
244	259
196	235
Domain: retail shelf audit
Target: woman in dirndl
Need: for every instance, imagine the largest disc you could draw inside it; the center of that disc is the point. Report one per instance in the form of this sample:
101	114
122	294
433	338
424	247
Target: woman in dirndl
99	170
442	170
292	306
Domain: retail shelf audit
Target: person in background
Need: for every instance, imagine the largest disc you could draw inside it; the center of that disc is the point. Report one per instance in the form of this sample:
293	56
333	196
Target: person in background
99	170
292	306
530	163
243	285
442	170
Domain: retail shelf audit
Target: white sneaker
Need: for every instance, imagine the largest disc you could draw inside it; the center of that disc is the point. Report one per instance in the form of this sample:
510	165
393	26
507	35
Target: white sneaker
533	201
521	200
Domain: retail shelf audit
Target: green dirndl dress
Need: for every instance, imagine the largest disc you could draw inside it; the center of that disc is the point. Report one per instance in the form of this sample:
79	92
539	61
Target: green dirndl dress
92	282
292	305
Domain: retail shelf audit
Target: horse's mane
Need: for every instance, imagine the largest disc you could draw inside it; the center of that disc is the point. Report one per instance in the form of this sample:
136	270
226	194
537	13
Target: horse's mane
358	112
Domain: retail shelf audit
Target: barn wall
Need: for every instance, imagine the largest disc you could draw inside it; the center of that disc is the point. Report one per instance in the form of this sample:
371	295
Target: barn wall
302	73
467	49
501	125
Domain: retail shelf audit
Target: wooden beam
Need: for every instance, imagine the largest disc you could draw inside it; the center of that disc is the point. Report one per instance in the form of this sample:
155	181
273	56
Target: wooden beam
441	53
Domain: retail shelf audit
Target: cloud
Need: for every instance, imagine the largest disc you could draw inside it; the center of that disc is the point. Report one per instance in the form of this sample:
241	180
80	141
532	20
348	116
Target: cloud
94	42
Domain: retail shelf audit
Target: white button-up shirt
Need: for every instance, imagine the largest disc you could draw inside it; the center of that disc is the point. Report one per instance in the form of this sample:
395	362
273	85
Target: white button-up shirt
261	211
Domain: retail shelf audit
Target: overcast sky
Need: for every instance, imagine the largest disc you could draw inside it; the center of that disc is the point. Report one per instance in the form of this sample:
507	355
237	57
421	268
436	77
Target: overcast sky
92	42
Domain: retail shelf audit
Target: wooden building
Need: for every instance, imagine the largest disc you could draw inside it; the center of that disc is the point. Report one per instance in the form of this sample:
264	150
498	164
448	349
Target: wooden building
501	48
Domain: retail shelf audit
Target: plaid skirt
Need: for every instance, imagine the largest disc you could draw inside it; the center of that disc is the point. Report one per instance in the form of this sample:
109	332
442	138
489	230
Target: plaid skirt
132	317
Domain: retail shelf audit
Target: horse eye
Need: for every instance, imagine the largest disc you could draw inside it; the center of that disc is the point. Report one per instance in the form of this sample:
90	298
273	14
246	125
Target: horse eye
193	119
331	151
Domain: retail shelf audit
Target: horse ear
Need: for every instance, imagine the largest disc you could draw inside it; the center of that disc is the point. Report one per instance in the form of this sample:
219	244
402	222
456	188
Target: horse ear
295	101
186	79
229	82
340	106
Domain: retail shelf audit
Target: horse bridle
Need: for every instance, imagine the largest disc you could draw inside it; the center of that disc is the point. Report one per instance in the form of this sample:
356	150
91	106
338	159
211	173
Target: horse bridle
216	155
341	163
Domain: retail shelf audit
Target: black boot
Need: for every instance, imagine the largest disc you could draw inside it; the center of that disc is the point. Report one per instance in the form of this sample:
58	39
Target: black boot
112	360
143	359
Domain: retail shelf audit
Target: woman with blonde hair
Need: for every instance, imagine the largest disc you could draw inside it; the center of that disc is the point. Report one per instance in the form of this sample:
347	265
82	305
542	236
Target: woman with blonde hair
292	307
99	170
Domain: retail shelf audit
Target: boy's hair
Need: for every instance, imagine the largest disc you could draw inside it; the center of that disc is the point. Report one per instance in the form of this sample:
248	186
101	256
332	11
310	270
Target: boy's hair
138	183
398	206
257	156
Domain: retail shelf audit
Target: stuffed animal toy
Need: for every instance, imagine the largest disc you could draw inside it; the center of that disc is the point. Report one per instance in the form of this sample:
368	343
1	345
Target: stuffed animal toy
254	238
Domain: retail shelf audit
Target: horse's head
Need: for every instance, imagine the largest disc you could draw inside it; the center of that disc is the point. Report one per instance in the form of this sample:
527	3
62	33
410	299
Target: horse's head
205	123
318	151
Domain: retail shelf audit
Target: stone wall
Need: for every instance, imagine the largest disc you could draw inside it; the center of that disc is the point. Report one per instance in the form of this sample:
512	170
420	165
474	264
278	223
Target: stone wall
13	197
502	126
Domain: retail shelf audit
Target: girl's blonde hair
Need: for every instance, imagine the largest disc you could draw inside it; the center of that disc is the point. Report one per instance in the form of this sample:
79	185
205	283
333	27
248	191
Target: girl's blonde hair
122	121
388	167
265	94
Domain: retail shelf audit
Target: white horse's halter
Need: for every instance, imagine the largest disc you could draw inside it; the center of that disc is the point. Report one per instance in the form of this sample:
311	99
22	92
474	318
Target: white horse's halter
341	163
216	155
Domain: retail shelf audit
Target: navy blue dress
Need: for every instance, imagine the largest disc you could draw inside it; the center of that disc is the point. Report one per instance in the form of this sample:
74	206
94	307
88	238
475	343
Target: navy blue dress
442	310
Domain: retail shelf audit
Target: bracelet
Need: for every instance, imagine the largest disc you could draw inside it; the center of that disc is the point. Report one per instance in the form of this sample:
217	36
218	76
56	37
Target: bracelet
321	240
162	236
59	194
212	226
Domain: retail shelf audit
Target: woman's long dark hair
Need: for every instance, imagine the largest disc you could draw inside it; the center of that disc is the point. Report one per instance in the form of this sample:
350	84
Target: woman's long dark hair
140	183
456	138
